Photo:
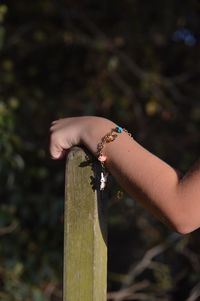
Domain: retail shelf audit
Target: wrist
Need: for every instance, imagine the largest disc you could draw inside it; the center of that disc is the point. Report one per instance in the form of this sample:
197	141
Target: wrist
95	129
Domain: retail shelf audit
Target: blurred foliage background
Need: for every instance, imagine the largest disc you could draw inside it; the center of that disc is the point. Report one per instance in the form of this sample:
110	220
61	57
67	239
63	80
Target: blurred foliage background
135	62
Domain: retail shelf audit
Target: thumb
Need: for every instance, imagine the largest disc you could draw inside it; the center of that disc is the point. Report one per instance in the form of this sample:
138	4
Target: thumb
56	151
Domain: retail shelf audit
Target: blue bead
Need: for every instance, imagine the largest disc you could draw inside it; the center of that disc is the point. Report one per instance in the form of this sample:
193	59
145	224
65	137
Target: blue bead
119	129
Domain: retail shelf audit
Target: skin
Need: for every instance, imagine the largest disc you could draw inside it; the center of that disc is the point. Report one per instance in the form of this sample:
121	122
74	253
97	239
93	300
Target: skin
175	200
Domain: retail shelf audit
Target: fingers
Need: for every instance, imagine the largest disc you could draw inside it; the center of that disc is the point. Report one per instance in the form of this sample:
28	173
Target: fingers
53	125
55	151
56	147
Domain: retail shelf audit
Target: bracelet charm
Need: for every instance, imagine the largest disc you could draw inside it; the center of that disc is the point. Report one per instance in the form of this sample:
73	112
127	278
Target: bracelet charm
103	180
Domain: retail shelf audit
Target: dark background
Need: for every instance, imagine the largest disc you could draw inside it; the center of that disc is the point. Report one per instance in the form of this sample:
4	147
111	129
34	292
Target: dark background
134	62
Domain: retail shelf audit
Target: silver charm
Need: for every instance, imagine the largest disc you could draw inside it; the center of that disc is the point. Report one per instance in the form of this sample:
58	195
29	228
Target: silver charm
103	180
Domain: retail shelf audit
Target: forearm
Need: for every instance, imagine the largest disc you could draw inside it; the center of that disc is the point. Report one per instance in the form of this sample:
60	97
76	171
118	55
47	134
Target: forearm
146	177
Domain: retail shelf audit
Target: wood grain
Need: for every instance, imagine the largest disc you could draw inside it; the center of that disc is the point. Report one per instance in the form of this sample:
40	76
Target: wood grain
85	247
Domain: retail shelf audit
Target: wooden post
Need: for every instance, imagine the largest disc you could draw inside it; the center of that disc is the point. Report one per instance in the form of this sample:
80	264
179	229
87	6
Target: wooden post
85	248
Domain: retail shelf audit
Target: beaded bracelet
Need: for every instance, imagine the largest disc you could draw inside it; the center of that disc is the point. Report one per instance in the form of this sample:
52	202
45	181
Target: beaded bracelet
109	137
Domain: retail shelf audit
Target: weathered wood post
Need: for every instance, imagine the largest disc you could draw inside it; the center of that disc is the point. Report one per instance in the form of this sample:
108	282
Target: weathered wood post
85	249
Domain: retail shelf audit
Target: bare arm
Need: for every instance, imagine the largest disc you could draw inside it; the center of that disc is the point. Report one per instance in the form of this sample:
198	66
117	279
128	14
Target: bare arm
174	200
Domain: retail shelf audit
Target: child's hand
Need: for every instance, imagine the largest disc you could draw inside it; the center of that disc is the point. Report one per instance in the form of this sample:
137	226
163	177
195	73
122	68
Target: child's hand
72	131
65	133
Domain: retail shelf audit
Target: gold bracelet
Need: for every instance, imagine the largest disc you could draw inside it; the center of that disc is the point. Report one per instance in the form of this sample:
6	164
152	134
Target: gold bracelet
109	137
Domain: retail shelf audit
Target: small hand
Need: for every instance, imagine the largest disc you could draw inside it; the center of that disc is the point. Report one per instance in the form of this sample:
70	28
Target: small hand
65	133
